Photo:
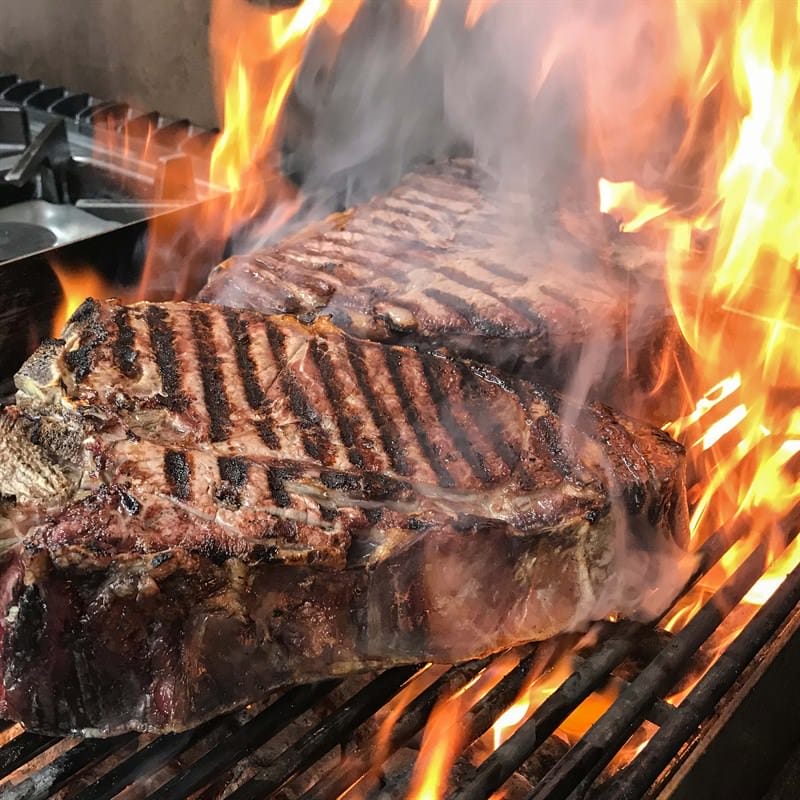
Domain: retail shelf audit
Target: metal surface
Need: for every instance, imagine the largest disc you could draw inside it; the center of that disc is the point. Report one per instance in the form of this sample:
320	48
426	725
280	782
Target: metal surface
108	205
752	734
66	223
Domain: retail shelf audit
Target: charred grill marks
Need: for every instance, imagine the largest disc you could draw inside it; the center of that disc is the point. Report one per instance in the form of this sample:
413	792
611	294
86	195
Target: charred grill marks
216	400
162	341
315	441
256	399
276	477
125	355
178	474
331	383
518	306
394	358
468	312
244	361
490	428
233	473
550	435
450	423
383	422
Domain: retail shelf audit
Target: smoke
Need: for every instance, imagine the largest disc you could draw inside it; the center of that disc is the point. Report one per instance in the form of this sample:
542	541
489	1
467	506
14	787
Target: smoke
546	95
547	98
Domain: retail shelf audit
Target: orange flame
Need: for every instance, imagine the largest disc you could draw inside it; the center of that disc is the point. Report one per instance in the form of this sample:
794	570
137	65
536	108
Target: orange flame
424	12
444	733
475	10
538	688
732	279
256	54
726	208
77	283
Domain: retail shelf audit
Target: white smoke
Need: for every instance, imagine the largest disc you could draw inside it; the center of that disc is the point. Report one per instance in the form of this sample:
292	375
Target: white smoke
547	97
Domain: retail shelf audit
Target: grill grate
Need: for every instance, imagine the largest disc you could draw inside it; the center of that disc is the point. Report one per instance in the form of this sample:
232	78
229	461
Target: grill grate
203	758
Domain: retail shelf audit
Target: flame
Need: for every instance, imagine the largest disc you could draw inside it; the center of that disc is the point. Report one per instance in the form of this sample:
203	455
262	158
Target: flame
634	206
475	10
723	199
736	299
77	283
256	53
537	690
424	12
732	279
443	738
725	206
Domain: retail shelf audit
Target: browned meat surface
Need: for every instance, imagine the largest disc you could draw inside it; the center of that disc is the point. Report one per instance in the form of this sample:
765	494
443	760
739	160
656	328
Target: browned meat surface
436	263
200	504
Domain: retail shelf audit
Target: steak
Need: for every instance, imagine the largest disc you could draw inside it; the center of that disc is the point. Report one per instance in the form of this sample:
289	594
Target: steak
436	262
201	504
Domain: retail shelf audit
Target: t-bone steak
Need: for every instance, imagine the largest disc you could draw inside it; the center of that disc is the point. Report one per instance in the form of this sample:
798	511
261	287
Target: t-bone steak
201	504
441	262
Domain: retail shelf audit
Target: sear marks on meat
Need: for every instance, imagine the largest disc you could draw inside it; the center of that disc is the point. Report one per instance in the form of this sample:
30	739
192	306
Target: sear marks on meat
436	263
208	503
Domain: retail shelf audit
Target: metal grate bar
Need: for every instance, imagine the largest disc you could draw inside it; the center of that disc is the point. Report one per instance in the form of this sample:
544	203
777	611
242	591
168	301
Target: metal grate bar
21	749
342	777
327	735
640	774
51	778
148	760
245	740
589	676
581	765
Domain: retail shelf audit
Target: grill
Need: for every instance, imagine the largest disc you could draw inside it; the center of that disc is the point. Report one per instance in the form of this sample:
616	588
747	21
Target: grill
318	740
64	200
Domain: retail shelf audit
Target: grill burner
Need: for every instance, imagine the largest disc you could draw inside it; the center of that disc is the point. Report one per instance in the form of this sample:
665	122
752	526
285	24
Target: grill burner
19	238
84	206
48	154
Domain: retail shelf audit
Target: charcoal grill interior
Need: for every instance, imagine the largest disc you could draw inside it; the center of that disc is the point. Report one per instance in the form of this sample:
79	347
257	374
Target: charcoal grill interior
319	740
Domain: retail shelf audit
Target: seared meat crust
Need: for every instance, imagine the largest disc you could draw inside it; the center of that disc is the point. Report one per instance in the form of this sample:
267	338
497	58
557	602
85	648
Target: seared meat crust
234	502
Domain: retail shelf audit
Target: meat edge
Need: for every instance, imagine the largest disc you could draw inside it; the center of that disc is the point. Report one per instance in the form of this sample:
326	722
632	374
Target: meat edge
163	642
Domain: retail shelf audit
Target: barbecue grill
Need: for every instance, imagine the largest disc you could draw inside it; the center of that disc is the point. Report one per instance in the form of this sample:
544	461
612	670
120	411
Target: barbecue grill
728	737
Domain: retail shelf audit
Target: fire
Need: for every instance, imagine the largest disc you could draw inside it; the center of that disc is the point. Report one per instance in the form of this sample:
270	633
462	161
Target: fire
444	733
726	209
732	280
77	283
634	206
721	194
735	300
538	688
257	52
424	12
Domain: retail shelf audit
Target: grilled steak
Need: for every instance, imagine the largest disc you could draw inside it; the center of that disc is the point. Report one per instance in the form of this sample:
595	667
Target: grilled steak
436	263
201	504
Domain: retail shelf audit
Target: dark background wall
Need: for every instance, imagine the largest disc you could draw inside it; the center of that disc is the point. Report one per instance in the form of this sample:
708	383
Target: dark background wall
151	53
